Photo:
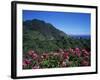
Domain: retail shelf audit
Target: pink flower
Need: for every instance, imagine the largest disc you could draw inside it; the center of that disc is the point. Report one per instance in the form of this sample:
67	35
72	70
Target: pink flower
26	61
83	50
78	54
64	64
71	50
44	56
77	49
60	50
56	54
85	53
86	58
34	55
36	67
24	64
30	52
85	63
66	55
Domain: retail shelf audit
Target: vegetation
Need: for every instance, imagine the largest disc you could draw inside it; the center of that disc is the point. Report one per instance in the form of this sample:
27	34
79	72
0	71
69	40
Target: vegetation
41	37
57	59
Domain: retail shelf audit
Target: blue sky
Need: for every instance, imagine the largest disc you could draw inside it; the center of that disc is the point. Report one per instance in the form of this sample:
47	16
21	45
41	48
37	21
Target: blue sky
71	23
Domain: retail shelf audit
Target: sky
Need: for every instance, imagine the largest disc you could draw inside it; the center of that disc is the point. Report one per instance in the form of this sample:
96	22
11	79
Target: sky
69	22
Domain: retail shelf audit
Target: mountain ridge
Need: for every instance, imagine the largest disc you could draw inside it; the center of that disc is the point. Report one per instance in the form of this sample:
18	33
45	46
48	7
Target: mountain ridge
41	37
46	29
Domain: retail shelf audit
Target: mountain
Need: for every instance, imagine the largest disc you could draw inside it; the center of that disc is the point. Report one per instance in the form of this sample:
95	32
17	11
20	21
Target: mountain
80	36
43	30
41	37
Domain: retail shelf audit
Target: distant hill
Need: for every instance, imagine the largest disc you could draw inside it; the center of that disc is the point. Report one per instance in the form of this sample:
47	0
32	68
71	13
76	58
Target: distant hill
42	30
81	36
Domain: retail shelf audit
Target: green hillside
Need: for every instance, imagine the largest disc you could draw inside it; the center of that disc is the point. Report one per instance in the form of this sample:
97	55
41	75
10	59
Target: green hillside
44	37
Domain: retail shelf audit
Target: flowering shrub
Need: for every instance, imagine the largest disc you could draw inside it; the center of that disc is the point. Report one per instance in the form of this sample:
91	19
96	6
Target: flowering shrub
61	58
